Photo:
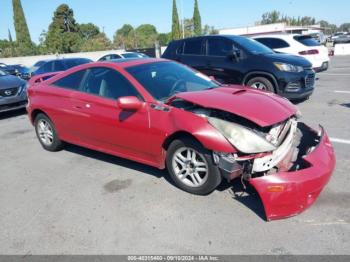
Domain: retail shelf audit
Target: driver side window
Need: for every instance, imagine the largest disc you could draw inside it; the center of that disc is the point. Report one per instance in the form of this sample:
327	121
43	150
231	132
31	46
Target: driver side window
108	83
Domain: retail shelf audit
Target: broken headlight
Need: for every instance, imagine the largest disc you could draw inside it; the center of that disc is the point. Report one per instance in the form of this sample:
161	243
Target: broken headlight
244	139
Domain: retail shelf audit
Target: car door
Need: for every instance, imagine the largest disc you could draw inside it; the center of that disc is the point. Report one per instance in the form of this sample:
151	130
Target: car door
220	63
193	53
105	126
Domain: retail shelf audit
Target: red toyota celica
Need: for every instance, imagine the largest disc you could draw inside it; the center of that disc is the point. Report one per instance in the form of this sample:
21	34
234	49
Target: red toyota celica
166	115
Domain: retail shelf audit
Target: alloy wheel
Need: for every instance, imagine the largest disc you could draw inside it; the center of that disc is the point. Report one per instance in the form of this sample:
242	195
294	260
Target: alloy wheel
45	132
259	85
190	167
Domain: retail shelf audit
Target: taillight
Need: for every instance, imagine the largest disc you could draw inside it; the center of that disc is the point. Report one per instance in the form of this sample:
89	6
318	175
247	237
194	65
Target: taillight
309	52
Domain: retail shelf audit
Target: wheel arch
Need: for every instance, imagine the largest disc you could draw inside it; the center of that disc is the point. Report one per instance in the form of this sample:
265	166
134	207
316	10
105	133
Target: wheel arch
267	75
35	113
178	135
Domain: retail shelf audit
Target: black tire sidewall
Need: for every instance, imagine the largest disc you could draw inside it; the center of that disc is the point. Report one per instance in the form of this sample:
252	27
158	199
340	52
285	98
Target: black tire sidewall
214	176
263	80
57	143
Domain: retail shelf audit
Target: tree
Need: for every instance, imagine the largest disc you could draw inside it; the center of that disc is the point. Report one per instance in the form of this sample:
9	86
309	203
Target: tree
11	44
63	35
175	29
25	45
210	30
188	27
270	17
96	43
345	27
164	39
88	31
125	37
146	36
197	21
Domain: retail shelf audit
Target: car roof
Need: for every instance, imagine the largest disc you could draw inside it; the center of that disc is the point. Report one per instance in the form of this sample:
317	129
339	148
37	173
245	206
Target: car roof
233	37
62	59
129	62
282	36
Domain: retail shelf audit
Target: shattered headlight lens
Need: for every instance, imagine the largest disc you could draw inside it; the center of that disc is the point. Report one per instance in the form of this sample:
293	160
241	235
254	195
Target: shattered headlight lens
242	138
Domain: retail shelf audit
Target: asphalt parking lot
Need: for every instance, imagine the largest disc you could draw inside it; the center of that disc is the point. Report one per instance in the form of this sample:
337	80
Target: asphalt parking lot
78	201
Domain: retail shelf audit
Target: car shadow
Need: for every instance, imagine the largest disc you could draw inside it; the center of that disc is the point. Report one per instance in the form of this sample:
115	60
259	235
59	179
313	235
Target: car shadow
247	197
116	160
14	113
244	194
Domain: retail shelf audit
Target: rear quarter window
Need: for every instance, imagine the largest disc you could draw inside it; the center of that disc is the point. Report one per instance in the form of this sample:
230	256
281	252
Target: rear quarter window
72	81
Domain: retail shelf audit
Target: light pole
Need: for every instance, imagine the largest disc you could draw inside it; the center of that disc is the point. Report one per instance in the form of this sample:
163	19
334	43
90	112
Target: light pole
183	19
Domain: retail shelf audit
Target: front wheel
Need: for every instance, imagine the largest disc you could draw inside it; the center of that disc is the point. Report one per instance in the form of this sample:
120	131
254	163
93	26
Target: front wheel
191	167
47	134
261	83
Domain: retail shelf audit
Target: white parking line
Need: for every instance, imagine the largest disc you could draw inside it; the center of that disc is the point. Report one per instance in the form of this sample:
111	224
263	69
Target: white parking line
342	91
331	74
341	141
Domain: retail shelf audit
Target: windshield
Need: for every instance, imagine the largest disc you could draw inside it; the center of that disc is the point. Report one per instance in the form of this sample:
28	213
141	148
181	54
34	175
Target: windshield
2	73
306	40
252	46
39	63
164	79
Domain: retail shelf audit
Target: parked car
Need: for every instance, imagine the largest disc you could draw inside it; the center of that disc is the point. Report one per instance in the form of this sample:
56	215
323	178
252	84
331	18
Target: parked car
122	55
165	114
61	64
302	45
13	92
22	71
320	37
336	35
240	60
8	69
342	39
16	70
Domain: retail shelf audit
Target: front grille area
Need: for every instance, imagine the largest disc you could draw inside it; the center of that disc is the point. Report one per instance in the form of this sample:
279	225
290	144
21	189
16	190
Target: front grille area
310	81
9	92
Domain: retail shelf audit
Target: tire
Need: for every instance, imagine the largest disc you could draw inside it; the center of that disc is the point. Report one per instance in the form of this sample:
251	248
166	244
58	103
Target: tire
47	134
263	82
192	178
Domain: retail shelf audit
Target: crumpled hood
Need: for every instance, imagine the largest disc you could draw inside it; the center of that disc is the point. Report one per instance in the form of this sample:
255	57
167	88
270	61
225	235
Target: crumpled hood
262	108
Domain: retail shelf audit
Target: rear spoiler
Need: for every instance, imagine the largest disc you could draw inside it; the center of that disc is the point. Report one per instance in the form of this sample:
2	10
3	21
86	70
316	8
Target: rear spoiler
41	78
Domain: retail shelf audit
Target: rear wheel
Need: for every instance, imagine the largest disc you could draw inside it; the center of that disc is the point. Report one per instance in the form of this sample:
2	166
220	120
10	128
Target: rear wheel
261	83
46	133
191	167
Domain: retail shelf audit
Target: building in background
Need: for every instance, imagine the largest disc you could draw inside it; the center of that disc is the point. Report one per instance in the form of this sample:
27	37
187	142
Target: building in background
271	29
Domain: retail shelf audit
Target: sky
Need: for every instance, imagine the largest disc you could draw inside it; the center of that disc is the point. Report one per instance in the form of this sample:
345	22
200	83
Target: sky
110	15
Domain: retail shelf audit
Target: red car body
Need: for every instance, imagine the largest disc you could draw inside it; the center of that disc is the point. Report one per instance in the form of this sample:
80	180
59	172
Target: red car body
143	135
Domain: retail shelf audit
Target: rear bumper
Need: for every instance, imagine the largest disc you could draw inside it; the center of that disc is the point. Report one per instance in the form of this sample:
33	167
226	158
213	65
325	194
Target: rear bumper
286	194
322	68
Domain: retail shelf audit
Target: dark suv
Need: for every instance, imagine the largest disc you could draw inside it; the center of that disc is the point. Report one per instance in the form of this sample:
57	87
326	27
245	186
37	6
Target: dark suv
240	60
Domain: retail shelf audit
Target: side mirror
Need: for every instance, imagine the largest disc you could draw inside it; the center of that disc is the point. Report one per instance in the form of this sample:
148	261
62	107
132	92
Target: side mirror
235	54
129	103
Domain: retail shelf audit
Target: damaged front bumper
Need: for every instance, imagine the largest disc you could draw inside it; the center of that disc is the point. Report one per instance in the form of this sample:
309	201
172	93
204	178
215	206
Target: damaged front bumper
297	172
288	193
